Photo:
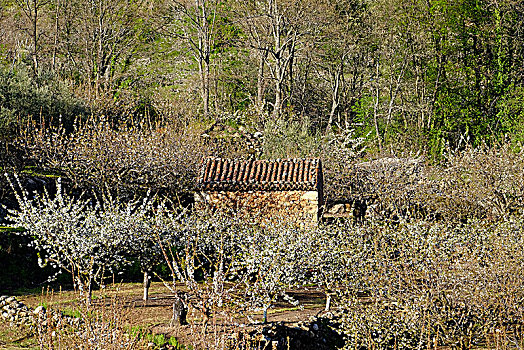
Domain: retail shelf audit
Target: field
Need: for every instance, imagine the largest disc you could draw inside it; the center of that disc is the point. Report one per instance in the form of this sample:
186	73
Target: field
152	320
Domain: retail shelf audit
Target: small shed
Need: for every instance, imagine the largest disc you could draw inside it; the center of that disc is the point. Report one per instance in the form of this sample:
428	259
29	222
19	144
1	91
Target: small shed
291	188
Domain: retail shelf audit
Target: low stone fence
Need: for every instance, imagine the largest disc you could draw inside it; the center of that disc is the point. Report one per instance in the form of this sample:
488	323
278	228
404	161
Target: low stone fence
17	313
318	333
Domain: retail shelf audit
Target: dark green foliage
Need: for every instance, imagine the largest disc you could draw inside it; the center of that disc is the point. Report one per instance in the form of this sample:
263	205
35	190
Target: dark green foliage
41	98
19	263
478	50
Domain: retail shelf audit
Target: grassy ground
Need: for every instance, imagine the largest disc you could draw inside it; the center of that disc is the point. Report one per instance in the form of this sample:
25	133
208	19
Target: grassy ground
16	338
153	317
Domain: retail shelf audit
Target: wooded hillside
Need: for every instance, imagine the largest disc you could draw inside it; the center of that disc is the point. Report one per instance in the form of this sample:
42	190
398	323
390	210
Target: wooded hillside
402	74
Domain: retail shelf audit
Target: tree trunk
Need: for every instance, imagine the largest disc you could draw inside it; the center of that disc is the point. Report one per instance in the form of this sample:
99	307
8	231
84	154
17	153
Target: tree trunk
55	44
35	37
393	95
375	109
335	97
89	296
147	284
290	63
179	312
277	108
206	88
204	47
261	84
279	70
328	302
88	286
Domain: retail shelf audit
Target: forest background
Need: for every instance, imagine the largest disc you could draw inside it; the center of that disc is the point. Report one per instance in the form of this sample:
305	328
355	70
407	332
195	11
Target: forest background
412	75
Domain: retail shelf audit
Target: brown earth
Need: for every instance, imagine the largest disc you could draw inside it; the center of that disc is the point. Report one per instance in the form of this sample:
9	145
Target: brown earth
154	316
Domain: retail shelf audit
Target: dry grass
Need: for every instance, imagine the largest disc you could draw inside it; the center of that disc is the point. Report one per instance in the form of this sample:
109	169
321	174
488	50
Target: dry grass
13	337
118	310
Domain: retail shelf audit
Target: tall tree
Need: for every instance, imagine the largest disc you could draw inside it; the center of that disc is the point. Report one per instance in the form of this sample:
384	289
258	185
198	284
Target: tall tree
274	30
340	56
195	23
32	10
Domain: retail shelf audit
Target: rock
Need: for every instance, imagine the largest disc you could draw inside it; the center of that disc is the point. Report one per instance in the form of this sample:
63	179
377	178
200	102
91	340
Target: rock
17	312
336	209
39	310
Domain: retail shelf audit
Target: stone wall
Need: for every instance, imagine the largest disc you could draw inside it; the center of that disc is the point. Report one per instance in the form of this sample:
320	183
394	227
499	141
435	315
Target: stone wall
321	332
299	205
17	313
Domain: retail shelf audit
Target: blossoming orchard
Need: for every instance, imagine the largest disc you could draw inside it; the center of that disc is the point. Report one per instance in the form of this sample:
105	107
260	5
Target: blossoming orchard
269	174
413	283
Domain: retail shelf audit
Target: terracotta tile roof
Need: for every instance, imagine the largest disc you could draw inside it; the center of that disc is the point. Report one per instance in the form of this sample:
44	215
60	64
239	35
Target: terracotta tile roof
267	175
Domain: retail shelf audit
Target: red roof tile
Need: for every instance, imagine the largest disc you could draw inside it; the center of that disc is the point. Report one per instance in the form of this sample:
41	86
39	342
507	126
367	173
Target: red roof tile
266	175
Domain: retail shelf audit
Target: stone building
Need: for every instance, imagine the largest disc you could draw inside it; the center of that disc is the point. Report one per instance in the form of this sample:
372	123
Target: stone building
290	188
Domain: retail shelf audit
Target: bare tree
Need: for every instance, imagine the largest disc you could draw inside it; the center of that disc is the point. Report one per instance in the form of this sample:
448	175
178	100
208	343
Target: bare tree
339	57
275	29
195	23
99	38
32	10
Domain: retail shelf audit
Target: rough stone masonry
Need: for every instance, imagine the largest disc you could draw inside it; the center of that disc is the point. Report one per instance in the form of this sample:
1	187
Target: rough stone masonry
17	313
290	188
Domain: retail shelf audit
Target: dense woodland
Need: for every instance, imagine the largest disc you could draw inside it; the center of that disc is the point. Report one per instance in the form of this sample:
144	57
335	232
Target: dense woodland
423	75
416	109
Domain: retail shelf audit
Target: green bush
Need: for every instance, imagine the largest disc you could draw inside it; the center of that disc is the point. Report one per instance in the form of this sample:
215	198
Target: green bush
289	138
23	96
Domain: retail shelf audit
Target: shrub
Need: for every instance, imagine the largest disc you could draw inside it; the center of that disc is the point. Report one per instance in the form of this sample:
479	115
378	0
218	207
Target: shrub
435	285
102	327
483	183
290	139
43	98
126	159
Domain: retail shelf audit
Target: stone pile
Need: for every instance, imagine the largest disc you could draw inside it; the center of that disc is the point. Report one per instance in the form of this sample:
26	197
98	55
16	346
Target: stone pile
16	312
318	333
